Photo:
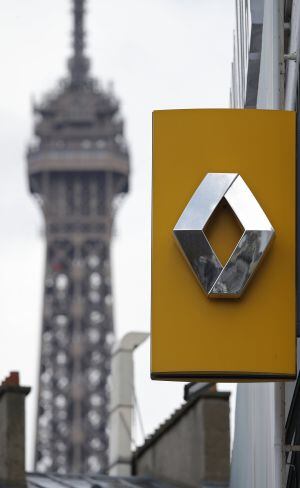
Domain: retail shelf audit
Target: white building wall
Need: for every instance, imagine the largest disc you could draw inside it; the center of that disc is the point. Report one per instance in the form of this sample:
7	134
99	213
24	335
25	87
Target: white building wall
258	456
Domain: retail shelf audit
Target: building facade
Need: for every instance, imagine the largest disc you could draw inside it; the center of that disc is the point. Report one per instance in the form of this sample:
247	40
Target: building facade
191	449
265	74
246	53
77	166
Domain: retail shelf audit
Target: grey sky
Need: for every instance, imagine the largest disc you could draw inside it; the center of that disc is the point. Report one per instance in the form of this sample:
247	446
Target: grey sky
159	54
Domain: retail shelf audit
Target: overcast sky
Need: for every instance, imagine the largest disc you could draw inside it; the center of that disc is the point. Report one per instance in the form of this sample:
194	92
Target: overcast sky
158	54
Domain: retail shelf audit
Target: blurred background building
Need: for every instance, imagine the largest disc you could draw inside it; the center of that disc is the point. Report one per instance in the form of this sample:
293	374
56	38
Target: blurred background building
77	167
190	449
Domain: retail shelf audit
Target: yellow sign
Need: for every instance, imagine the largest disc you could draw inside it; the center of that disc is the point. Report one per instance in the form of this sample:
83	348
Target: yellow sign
223	187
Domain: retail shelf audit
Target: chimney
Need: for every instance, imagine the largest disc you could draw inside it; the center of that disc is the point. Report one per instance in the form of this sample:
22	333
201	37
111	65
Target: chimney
12	432
120	455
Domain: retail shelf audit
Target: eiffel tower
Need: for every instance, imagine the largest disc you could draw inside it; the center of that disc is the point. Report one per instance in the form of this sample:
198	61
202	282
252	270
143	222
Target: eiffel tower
77	168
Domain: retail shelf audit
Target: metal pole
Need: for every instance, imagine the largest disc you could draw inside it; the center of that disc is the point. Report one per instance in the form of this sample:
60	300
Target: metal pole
292	58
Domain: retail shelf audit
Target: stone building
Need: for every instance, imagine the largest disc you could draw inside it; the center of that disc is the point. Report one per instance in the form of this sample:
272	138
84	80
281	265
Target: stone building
192	448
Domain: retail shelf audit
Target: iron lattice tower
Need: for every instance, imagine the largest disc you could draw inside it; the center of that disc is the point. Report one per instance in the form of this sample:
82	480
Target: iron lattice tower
77	168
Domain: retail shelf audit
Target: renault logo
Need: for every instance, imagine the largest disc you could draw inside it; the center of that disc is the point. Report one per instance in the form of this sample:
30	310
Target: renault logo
231	280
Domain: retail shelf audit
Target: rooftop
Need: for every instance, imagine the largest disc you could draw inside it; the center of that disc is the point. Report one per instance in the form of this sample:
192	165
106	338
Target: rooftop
38	480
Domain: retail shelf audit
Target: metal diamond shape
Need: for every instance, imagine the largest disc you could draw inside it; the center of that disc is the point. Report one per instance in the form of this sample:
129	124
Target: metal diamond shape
231	280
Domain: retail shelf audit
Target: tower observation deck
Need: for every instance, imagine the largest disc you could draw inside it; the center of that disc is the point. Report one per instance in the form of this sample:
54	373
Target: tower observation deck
77	167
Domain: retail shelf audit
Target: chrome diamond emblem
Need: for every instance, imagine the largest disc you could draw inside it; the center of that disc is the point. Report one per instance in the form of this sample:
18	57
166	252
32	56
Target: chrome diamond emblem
230	280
